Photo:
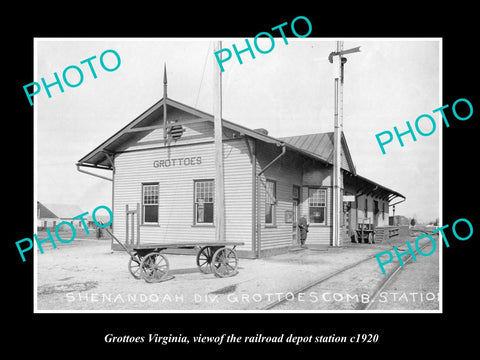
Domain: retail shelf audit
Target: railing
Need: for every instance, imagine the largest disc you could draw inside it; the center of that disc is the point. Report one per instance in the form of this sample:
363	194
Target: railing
132	222
392	232
385	232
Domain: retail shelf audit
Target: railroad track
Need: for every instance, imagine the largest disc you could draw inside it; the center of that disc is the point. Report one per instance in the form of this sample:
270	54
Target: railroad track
372	293
387	280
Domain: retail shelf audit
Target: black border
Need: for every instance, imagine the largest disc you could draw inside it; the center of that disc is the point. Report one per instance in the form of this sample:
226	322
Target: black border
426	333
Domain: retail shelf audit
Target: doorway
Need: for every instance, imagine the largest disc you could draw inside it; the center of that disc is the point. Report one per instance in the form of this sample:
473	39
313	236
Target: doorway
295	215
376	212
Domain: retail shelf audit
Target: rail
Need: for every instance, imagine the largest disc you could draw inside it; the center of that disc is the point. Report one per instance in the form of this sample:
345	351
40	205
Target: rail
386	279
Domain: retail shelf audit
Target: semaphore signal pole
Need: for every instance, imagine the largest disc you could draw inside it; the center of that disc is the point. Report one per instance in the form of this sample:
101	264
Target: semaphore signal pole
338	61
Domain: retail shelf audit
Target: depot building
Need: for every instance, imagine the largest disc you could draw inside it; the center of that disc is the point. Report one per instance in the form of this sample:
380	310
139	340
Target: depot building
163	183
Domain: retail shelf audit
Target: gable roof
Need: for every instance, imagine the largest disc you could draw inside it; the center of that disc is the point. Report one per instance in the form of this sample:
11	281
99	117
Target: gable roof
321	144
152	119
149	121
44	213
317	146
61	211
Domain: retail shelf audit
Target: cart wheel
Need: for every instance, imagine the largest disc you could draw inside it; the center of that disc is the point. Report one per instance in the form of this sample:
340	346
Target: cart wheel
154	267
224	262
134	267
204	259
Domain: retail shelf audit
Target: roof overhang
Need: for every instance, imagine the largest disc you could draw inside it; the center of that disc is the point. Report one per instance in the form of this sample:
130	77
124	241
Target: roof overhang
371	188
102	156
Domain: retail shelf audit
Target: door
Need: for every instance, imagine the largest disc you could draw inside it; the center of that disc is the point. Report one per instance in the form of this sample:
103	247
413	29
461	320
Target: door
376	212
347	219
295	232
295	215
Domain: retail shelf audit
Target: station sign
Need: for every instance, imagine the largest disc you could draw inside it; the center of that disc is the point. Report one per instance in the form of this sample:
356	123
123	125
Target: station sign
173	162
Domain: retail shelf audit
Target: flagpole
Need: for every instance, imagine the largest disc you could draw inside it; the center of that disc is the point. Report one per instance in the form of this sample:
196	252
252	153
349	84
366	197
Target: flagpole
219	177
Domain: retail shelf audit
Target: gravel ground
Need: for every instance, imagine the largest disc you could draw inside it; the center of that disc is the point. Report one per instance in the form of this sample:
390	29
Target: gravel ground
86	275
415	287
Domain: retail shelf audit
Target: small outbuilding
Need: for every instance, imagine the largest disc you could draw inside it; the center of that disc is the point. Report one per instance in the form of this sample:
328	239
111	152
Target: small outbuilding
49	215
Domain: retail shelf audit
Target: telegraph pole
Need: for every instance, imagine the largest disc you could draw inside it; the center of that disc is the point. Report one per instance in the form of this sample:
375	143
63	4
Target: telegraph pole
219	178
338	61
165	128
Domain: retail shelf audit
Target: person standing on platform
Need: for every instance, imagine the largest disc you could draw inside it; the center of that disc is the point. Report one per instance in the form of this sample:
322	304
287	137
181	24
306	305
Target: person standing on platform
303	226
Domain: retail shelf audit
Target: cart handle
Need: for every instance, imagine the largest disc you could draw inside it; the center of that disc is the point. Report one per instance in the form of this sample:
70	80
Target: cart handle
118	241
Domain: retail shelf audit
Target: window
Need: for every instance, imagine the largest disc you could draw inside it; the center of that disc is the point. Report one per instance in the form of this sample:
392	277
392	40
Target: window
366	207
204	193
296	192
316	205
270	200
383	211
150	203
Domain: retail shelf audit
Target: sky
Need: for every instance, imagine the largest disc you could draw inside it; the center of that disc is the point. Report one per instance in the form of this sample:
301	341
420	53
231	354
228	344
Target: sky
288	91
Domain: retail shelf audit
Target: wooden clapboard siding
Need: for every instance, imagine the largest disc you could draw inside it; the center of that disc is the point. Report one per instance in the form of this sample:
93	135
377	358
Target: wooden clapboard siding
139	147
194	133
280	233
384	217
344	162
176	192
370	202
318	176
238	193
286	173
318	234
361	209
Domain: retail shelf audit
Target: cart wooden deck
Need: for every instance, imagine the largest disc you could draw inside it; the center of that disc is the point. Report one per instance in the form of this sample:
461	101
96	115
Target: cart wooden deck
184	245
146	261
